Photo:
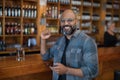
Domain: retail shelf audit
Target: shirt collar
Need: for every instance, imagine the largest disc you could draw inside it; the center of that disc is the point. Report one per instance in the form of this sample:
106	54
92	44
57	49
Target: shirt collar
76	33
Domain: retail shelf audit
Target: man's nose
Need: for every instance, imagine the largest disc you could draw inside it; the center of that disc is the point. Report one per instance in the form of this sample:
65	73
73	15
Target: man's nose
66	22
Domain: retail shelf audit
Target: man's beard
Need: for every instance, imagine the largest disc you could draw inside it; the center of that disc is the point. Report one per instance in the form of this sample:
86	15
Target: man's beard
69	31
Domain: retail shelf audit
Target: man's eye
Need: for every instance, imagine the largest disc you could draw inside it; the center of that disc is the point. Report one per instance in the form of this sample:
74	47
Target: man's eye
62	20
69	20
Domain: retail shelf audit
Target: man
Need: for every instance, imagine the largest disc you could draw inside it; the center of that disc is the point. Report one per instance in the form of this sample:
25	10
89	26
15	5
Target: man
74	54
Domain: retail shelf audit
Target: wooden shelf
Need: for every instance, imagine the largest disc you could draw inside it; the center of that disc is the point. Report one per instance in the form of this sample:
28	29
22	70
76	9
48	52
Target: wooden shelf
53	3
7	17
30	0
30	35
13	35
27	49
91	7
52	19
15	19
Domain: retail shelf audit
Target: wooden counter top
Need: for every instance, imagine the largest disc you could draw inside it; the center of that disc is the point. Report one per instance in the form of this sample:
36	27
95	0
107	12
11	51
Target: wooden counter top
108	53
109	61
33	63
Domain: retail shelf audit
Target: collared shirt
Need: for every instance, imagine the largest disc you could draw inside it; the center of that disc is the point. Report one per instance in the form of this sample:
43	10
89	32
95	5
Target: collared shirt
81	53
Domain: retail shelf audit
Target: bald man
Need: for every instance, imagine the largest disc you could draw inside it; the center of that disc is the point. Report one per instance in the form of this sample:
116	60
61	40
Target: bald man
74	54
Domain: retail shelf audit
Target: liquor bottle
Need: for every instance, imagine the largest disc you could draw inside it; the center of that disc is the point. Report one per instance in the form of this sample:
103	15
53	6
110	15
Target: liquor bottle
55	11
53	14
3	46
32	30
32	11
15	28
28	29
49	12
6	11
0	45
35	12
9	11
35	28
13	11
23	12
18	28
25	29
1	10
12	28
18	11
7	28
29	11
26	11
0	28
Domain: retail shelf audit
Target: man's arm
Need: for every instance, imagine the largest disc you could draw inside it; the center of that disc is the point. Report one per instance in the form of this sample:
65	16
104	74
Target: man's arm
43	46
73	71
44	35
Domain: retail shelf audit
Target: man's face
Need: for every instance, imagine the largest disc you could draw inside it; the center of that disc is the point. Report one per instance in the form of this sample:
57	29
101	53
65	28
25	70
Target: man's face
68	22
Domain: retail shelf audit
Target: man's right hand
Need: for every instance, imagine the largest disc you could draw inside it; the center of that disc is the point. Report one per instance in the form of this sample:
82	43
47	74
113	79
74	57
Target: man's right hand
45	34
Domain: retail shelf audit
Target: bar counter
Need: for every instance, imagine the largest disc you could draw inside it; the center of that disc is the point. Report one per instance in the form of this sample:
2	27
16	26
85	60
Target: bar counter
109	61
30	69
34	68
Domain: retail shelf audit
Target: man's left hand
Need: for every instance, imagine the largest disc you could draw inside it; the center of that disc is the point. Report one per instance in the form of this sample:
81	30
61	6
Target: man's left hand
59	68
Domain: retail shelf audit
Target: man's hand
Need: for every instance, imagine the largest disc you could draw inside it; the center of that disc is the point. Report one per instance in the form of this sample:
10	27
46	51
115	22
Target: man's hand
59	68
45	34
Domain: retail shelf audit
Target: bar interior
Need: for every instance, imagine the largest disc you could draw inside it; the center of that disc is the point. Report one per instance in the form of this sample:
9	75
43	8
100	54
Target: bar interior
21	24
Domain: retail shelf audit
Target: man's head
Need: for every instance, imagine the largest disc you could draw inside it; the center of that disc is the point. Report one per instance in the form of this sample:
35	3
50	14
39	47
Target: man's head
68	22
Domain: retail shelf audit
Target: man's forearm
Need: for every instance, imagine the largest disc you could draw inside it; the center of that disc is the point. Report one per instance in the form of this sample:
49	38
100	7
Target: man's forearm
43	46
73	71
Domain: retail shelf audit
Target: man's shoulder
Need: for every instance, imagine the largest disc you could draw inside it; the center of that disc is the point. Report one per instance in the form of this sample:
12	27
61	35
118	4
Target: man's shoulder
82	35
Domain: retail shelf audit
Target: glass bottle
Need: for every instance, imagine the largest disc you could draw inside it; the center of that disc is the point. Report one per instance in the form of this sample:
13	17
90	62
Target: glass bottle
18	11
25	29
32	30
1	10
0	28
35	12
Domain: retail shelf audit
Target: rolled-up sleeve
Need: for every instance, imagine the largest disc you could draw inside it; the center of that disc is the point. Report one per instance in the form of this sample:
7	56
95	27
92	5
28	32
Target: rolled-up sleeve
49	53
90	59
